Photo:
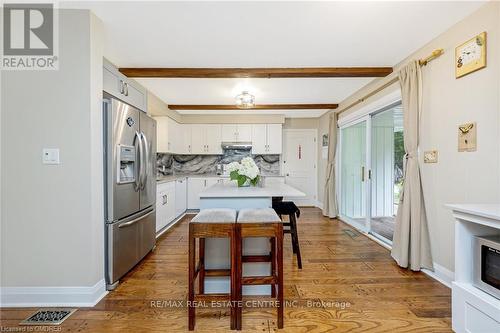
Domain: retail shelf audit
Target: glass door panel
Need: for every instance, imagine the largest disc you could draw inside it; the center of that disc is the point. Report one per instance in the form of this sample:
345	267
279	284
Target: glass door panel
387	153
352	174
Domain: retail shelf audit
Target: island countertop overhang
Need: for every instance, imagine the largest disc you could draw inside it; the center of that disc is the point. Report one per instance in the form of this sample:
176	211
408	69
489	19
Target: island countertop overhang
231	190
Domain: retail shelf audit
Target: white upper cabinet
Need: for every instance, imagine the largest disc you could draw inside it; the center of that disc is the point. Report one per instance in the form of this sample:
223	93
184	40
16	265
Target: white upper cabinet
259	139
229	132
274	139
169	136
162	134
266	139
198	143
213	139
206	139
185	137
244	133
123	88
236	133
174	139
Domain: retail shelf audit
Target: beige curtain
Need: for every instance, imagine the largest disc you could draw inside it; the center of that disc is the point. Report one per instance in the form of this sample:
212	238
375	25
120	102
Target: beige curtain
330	196
411	245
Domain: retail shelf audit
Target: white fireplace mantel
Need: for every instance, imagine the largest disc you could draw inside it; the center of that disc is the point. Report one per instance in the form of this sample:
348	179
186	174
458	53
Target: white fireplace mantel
473	310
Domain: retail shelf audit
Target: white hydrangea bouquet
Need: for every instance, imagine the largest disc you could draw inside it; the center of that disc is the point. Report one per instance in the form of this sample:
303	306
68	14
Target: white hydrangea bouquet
246	172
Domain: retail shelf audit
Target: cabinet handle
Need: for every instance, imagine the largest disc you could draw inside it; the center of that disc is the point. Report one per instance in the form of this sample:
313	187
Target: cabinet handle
126	89
165	199
122	87
205	183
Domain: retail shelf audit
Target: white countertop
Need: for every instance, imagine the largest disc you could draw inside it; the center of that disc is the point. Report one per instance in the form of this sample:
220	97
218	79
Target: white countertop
490	211
231	190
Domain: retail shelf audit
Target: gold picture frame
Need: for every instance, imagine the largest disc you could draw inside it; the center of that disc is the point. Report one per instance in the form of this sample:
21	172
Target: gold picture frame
471	55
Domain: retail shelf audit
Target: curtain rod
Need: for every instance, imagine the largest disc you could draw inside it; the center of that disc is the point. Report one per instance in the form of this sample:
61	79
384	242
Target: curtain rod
435	54
422	62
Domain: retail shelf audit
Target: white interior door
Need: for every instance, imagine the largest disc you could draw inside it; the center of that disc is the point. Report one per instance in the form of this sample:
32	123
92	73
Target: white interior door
299	163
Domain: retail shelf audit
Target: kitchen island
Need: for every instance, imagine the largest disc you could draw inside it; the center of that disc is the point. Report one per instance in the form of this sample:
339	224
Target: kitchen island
229	195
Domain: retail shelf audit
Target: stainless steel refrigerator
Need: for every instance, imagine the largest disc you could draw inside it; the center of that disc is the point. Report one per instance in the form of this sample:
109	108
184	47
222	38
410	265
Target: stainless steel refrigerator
130	187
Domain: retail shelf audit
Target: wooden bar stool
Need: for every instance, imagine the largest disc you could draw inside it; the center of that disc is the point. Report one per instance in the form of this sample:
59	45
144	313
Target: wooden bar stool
210	223
289	208
263	222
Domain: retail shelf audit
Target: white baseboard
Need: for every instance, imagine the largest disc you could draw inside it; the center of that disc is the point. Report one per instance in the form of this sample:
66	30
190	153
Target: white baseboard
52	296
318	204
441	274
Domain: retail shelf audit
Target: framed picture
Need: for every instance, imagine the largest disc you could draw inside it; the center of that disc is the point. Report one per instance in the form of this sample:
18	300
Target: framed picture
324	146
325	140
471	55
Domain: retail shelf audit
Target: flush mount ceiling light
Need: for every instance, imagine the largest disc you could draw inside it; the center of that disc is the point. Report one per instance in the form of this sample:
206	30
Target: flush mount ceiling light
245	100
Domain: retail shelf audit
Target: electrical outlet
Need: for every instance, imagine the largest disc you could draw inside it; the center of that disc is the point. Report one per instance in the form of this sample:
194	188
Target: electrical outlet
431	156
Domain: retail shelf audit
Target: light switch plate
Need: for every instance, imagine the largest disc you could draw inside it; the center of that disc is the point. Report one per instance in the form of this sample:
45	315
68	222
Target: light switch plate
431	156
50	156
467	137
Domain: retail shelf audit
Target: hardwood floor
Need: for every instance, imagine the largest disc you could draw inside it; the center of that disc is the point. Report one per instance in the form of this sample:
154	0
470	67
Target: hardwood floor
348	284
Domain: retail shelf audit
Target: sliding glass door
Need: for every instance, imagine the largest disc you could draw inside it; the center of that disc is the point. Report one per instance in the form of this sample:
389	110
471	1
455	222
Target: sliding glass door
371	171
353	171
387	153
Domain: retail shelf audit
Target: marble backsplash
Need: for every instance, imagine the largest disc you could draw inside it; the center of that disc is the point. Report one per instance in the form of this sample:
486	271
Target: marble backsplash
168	164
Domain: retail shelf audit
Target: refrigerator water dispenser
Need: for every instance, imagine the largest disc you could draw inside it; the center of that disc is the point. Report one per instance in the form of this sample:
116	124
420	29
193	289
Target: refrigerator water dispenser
126	172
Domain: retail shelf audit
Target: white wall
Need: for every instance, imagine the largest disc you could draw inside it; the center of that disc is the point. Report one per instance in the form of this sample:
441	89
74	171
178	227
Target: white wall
458	177
52	215
301	123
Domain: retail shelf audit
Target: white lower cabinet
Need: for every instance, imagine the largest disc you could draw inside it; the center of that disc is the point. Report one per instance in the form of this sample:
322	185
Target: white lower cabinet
165	204
171	201
180	196
196	185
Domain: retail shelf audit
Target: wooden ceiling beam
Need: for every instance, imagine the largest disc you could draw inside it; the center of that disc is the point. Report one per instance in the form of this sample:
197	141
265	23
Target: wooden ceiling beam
211	73
256	107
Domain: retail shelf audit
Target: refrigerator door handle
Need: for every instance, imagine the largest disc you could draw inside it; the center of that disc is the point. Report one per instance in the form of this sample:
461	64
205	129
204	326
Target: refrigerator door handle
139	160
146	161
129	223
